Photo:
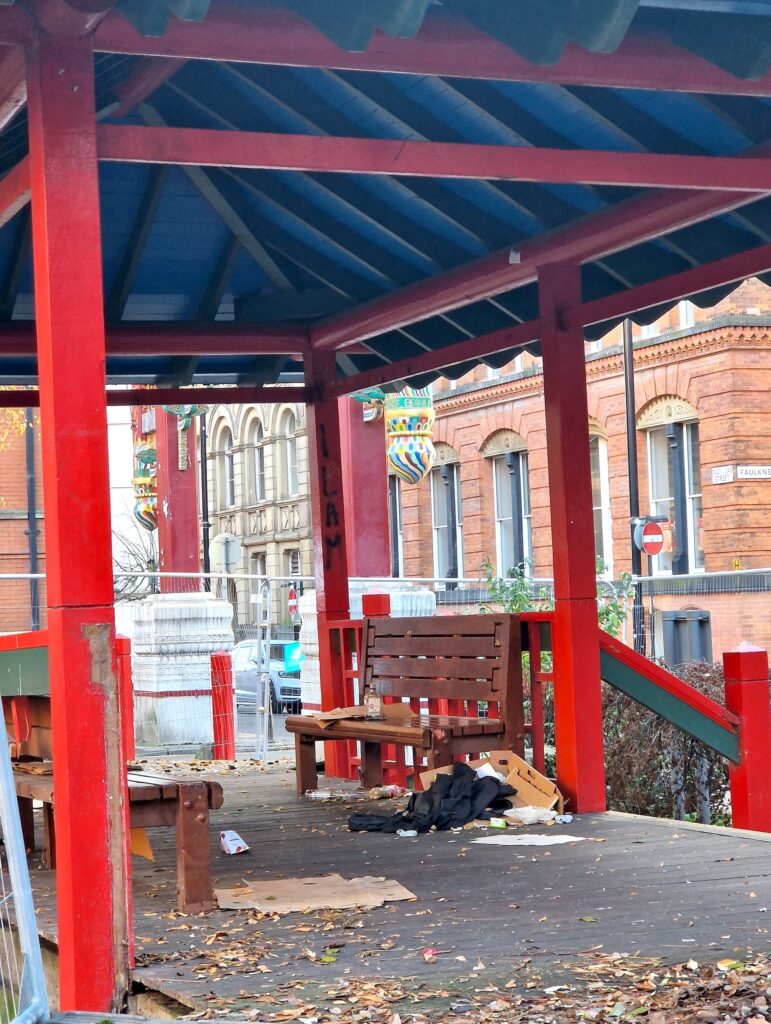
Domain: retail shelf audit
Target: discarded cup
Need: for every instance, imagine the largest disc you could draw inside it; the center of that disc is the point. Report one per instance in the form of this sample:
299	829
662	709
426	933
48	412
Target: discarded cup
231	842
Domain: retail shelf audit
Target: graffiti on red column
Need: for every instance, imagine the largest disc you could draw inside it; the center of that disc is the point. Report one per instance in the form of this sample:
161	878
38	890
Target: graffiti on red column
332	533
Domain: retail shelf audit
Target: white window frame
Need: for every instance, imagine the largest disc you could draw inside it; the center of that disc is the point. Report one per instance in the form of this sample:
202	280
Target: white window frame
258	483
291	482
226	471
396	529
524	512
454	468
690	494
686	311
604	506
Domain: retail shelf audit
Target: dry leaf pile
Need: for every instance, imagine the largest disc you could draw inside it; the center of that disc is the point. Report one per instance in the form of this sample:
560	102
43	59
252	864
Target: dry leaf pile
597	988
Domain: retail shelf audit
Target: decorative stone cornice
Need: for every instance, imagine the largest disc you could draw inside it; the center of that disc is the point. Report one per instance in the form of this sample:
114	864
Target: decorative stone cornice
647	354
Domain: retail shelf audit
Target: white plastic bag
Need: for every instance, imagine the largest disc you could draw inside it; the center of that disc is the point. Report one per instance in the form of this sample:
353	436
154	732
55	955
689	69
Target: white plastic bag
530	815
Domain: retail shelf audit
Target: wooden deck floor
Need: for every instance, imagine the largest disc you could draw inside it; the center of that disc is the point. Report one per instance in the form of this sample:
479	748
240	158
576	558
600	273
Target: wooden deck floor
637	885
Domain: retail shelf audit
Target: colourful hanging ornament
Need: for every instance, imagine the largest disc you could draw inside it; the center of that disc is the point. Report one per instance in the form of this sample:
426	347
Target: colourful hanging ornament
145	465
409	420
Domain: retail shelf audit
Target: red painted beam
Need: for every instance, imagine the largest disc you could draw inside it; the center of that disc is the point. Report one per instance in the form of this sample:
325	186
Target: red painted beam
143	79
670	289
202	147
24	398
617	227
158	339
14	191
210	395
16	26
460	352
445	46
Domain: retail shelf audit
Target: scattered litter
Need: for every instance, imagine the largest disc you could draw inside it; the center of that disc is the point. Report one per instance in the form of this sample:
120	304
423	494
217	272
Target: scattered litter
386	792
510	839
331	794
326	892
563	819
530	815
497	823
231	842
406	833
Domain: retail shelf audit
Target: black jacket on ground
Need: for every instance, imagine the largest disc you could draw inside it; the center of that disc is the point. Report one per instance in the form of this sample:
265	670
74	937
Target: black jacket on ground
450	802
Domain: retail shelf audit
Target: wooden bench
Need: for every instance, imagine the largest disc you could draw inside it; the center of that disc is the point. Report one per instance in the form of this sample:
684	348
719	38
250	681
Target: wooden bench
448	659
154	800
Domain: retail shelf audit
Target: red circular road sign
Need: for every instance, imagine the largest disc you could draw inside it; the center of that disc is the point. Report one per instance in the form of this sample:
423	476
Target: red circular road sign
652	539
291	600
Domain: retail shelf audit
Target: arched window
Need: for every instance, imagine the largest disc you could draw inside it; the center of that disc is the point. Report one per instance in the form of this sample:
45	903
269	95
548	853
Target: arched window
395	524
226	470
674	481
447	514
603	543
257	462
289	454
511	493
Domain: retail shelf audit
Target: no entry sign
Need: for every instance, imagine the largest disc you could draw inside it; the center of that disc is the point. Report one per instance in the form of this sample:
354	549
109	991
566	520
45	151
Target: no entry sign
291	600
650	538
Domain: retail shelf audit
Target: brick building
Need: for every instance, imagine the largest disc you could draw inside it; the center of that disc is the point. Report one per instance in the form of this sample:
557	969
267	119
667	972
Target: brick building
18	596
704	457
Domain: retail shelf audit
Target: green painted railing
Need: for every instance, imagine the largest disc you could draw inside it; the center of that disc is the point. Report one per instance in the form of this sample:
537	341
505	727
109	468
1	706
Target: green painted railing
674	700
24	665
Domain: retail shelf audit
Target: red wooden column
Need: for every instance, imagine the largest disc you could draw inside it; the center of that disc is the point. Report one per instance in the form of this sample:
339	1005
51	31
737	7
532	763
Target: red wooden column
747	696
365	481
330	561
91	878
577	698
178	540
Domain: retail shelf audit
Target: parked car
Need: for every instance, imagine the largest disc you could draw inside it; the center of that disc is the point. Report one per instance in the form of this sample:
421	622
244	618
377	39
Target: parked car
285	691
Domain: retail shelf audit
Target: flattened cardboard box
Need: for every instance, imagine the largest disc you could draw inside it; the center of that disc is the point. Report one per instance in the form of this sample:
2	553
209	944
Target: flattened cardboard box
533	789
389	713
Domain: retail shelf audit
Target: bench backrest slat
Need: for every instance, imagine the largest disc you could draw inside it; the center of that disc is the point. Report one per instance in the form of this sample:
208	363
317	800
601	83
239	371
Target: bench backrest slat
455	657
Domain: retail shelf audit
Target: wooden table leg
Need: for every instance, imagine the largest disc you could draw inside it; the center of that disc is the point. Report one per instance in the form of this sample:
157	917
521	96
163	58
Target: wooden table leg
371	764
194	889
49	837
306	776
27	816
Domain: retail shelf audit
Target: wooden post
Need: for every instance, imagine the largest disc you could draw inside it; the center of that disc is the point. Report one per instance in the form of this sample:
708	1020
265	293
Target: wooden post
123	648
747	696
89	765
577	695
329	546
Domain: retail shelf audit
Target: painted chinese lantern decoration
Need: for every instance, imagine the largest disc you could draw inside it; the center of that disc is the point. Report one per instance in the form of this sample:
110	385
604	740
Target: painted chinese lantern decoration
145	459
184	414
409	420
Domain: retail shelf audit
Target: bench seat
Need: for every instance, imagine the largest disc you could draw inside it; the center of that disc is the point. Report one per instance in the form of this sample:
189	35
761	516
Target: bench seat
154	801
457	658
